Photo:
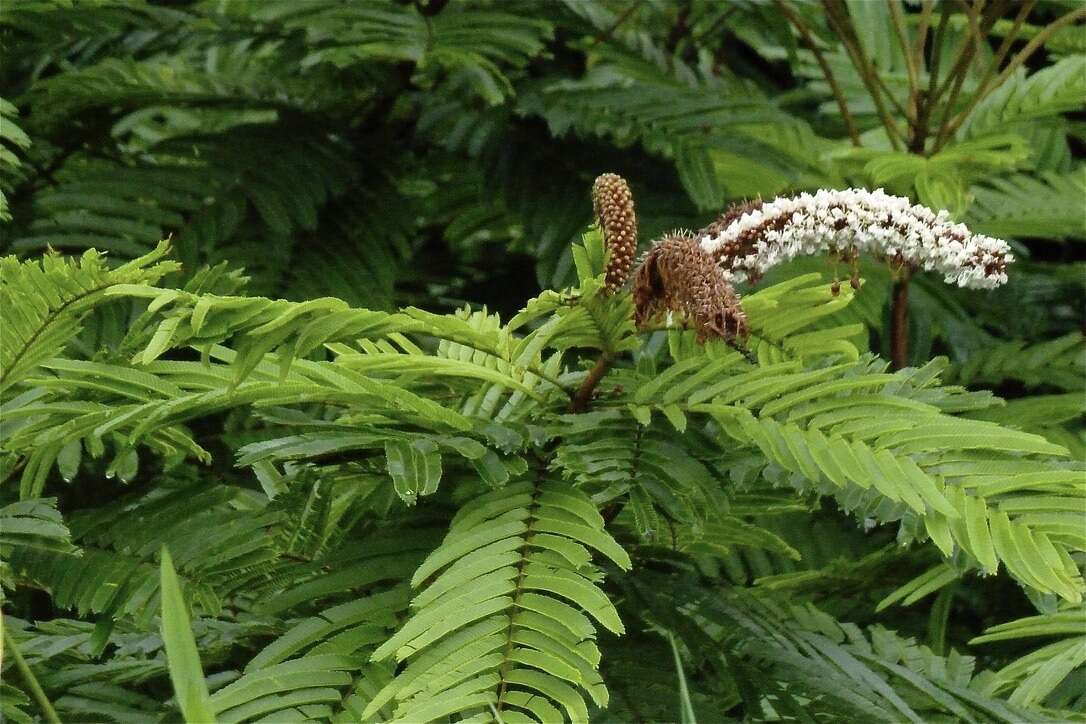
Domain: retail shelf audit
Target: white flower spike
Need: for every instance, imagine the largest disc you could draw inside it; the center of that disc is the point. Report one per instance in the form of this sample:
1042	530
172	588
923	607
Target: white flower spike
751	239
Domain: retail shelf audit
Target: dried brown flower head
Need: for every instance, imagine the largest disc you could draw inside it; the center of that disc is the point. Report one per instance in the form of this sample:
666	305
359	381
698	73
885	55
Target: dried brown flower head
613	205
677	275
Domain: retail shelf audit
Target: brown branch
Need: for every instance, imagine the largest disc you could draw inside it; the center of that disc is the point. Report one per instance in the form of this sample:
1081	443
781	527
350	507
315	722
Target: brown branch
899	323
937	51
925	98
839	23
910	62
583	396
960	70
987	85
835	88
720	19
431	8
1037	41
606	34
680	29
922	30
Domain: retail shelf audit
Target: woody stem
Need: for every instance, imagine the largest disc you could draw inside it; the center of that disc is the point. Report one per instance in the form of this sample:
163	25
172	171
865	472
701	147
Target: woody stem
584	393
899	323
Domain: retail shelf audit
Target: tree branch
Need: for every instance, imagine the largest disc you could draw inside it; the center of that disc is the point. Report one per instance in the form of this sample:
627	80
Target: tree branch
835	88
583	396
987	85
838	19
899	323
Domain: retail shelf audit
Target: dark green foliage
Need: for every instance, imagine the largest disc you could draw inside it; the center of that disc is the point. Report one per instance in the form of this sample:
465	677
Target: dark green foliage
367	438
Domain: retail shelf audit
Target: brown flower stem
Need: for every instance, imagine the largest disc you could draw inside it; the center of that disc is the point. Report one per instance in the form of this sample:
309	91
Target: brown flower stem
899	323
583	396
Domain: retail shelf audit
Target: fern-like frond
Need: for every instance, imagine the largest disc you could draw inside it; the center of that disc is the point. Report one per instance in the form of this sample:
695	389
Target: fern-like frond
478	44
218	550
884	444
612	456
500	620
1058	363
129	83
199	189
1046	206
969	483
13	143
1055	89
45	301
1052	673
14	704
700	122
151	402
34	524
833	671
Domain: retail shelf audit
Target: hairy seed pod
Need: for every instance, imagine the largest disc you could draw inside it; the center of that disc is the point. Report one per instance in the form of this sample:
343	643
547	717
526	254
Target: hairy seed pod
613	206
677	275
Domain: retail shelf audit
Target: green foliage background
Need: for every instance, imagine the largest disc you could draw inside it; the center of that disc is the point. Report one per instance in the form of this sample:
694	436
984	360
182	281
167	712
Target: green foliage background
314	459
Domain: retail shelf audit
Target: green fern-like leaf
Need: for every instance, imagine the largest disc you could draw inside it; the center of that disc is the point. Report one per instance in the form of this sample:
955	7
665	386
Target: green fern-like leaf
34	524
1059	362
1037	207
13	142
1058	88
500	620
1032	678
840	670
47	300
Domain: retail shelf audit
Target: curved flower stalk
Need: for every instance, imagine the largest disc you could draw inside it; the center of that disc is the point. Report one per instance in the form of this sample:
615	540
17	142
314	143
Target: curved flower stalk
612	203
679	276
748	240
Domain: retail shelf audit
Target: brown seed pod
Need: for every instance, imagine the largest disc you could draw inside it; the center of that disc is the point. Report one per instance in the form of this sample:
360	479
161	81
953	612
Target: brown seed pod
613	205
676	275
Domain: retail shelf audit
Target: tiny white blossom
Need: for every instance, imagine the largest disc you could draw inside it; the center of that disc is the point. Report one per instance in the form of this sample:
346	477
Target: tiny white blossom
856	221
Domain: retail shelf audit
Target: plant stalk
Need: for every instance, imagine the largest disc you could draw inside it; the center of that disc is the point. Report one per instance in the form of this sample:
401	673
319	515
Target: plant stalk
827	72
1038	41
32	684
987	85
980	26
902	32
838	19
899	323
583	396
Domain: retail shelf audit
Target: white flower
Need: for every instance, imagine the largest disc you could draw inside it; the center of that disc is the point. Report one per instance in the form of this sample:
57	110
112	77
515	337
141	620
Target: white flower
856	221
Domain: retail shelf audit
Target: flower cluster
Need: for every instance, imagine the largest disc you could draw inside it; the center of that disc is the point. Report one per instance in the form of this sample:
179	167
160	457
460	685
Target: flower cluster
677	276
613	205
750	239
